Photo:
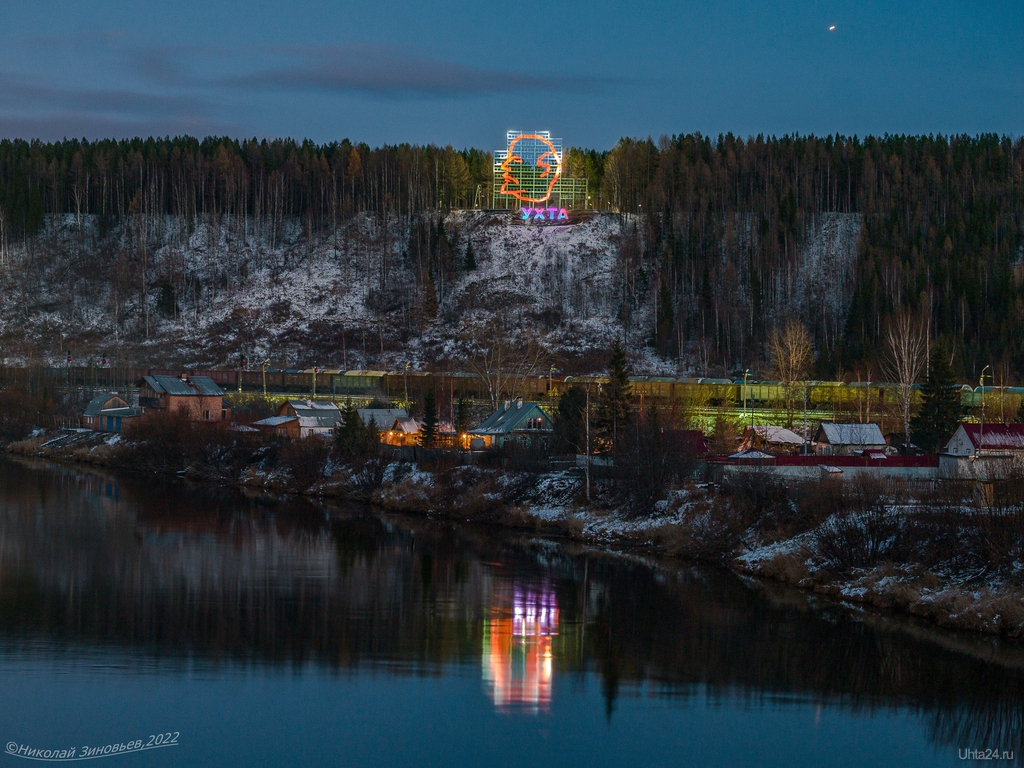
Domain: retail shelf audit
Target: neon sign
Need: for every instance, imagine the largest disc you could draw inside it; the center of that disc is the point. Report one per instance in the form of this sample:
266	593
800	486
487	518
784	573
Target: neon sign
545	214
532	170
512	159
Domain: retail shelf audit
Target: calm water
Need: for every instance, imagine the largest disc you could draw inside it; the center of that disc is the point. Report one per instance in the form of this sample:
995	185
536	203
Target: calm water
281	634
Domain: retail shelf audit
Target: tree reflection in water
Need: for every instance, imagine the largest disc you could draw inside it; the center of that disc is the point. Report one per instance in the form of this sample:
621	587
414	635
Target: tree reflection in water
175	573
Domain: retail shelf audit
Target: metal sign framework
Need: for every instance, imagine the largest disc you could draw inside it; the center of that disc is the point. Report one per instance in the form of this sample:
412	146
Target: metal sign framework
532	170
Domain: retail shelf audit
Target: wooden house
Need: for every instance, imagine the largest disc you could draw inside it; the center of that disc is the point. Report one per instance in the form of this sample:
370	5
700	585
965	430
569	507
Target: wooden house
524	424
850	440
91	415
302	418
197	397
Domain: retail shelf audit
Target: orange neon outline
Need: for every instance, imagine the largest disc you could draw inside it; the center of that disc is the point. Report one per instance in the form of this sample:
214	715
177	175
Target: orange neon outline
508	178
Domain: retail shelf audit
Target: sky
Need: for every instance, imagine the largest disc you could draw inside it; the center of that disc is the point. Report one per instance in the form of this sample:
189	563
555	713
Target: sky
463	73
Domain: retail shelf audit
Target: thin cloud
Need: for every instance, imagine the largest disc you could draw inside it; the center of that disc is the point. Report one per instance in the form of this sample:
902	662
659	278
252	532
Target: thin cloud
381	70
15	92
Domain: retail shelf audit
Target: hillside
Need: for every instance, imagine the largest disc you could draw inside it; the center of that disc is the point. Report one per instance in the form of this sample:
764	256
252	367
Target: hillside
162	291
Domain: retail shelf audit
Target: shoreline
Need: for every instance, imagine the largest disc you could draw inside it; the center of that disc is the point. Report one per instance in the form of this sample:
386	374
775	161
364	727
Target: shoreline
682	528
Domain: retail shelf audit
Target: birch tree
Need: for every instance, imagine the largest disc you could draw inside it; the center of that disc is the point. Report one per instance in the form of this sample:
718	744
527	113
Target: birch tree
903	360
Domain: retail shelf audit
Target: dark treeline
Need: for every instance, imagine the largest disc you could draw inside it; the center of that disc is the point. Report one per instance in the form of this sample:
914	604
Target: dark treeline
939	222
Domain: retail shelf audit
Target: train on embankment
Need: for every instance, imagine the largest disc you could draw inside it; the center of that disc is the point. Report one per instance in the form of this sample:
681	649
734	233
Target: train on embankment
835	396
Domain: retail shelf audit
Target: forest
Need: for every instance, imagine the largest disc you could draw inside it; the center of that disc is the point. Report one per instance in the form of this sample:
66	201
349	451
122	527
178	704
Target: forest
724	225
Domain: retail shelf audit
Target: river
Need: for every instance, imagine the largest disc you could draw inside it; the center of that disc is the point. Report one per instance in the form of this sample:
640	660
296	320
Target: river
262	632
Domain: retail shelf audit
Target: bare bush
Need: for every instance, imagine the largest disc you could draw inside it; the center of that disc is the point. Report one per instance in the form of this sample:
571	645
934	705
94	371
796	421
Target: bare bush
305	460
867	531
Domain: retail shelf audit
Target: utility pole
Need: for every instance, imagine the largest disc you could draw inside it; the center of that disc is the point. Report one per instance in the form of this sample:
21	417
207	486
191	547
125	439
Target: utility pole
265	364
981	430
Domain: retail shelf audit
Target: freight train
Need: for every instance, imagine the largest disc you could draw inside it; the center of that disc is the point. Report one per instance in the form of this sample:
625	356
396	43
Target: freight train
413	385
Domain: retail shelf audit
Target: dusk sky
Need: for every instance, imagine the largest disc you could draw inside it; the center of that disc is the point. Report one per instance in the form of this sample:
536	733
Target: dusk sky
462	73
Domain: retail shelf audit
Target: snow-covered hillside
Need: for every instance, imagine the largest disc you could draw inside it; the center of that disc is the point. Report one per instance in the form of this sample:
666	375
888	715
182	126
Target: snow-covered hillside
163	291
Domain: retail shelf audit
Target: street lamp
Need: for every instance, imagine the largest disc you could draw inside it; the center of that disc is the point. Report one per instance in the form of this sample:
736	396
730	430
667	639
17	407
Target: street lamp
405	375
264	365
745	374
981	386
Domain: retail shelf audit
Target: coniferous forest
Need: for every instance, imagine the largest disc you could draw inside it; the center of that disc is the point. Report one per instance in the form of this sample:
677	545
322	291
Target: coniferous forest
939	223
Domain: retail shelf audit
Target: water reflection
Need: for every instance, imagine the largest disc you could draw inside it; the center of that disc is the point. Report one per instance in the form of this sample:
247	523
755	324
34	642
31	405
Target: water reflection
517	646
173	577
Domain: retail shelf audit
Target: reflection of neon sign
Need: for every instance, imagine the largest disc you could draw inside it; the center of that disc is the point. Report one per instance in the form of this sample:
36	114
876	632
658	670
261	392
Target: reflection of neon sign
545	214
512	159
518	657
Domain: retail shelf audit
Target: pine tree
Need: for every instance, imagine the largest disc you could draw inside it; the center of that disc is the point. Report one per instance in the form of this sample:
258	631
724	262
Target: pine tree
941	410
470	258
613	409
351	439
570	421
462	416
428	434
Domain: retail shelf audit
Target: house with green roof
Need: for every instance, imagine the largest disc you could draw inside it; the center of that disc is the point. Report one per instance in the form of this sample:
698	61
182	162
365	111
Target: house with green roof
524	424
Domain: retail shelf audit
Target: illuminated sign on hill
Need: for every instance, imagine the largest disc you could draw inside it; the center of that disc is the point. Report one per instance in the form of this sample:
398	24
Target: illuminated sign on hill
545	214
532	169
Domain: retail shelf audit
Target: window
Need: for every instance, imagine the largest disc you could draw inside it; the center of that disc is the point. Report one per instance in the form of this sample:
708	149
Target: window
206	415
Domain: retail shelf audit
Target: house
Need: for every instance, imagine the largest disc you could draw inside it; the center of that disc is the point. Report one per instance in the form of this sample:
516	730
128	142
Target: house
849	440
987	453
408	431
383	418
302	418
974	439
771	439
517	422
198	397
91	415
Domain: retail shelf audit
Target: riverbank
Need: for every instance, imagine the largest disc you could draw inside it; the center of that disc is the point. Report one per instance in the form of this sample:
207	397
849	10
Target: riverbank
939	556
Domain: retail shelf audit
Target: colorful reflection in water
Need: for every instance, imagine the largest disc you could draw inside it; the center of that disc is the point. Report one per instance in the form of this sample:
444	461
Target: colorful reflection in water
517	654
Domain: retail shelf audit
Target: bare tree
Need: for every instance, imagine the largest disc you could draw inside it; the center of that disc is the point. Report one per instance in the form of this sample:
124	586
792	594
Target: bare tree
903	359
501	360
790	348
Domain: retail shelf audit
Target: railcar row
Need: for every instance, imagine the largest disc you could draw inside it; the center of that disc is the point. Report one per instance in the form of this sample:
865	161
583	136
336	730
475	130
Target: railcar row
412	385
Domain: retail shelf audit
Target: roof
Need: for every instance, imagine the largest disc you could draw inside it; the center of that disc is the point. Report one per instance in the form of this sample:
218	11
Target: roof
316	414
407	425
510	418
97	403
996	437
750	453
852	434
273	421
127	412
383	417
193	386
774	434
412	426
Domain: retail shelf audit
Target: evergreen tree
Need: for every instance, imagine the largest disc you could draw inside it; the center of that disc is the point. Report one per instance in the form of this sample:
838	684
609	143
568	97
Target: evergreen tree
428	434
570	422
463	414
470	258
941	410
613	408
351	439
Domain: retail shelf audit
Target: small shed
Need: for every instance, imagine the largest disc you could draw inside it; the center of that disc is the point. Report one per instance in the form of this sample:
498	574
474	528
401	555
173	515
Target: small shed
279	426
315	417
383	418
521	423
848	439
113	419
91	415
772	439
